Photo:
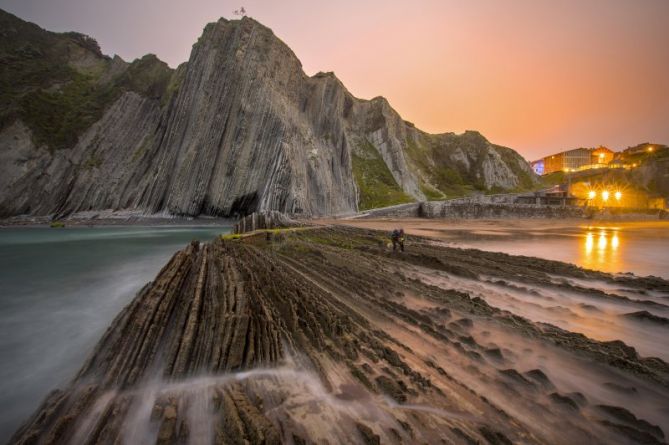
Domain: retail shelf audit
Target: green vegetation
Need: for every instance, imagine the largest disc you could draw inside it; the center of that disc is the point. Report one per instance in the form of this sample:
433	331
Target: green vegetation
432	157
442	180
510	158
418	154
552	179
54	82
57	118
431	193
57	225
174	84
148	76
658	152
452	184
376	184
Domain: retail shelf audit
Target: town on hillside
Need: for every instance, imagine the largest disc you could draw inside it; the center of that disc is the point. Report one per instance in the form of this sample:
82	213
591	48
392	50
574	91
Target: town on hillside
600	177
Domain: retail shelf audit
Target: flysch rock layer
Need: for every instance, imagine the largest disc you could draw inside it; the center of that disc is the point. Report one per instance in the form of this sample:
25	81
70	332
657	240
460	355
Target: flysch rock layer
240	128
325	335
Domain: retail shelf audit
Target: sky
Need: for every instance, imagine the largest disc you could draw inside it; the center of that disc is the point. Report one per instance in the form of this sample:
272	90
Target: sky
539	76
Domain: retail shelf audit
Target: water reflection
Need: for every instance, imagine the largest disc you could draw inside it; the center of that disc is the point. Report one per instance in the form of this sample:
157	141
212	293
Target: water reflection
604	254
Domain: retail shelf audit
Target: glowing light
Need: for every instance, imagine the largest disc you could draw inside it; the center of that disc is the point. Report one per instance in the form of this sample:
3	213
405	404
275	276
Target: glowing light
601	242
605	195
592	194
650	148
589	242
615	242
601	156
618	195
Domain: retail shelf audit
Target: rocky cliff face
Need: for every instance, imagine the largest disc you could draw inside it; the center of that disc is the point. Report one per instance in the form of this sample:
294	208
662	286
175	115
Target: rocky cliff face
238	128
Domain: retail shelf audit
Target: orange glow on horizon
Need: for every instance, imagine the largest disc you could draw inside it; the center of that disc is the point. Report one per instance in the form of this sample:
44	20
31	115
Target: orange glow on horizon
539	77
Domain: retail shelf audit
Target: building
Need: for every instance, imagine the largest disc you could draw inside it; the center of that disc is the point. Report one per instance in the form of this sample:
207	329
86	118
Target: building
538	166
554	196
567	160
578	159
638	149
601	155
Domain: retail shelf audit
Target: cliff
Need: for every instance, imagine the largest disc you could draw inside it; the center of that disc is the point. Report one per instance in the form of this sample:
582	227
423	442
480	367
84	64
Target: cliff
325	335
238	128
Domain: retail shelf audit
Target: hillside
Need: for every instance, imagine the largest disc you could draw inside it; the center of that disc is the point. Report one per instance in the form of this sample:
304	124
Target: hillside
649	175
239	127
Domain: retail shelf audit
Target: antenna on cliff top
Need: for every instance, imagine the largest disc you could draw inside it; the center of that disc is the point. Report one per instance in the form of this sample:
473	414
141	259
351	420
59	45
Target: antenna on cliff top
240	12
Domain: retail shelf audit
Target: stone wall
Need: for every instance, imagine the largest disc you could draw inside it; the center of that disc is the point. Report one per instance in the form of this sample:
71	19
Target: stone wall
492	206
263	221
398	211
492	210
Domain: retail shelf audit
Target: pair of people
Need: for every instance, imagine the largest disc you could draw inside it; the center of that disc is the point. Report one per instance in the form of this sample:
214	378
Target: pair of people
397	237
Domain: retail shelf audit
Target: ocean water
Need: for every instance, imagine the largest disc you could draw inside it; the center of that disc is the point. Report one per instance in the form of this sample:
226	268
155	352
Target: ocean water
59	290
641	248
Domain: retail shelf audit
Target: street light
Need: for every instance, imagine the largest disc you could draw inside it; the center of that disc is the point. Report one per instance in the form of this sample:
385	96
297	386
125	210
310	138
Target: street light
618	195
592	194
605	195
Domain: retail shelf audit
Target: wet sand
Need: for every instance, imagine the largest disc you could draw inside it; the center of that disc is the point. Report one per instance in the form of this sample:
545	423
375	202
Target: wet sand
640	247
450	228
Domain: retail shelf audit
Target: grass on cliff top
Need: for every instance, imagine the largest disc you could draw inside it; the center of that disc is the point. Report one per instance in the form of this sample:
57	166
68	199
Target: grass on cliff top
510	158
52	81
444	180
59	116
376	185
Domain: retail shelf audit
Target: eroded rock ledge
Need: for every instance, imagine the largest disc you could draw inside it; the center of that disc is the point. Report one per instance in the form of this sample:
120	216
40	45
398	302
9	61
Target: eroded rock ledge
324	335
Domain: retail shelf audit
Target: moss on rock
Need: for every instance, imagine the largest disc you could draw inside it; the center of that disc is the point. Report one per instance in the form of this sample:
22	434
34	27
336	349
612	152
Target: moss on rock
376	185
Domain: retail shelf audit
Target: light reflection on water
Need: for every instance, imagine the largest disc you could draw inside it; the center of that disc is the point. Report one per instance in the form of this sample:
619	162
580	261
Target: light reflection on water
638	247
602	249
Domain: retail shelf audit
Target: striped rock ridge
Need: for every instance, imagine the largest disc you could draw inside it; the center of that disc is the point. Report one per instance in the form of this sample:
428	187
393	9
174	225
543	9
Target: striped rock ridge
238	128
325	335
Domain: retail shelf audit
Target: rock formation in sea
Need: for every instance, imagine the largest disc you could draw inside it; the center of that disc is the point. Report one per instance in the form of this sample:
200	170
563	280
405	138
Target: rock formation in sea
324	335
238	128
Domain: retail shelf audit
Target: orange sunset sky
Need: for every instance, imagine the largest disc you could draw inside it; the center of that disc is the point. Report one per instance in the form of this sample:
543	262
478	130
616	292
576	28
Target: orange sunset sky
535	75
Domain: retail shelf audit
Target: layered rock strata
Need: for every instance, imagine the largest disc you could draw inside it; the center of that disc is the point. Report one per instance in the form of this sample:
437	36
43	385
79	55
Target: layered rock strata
325	334
238	128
